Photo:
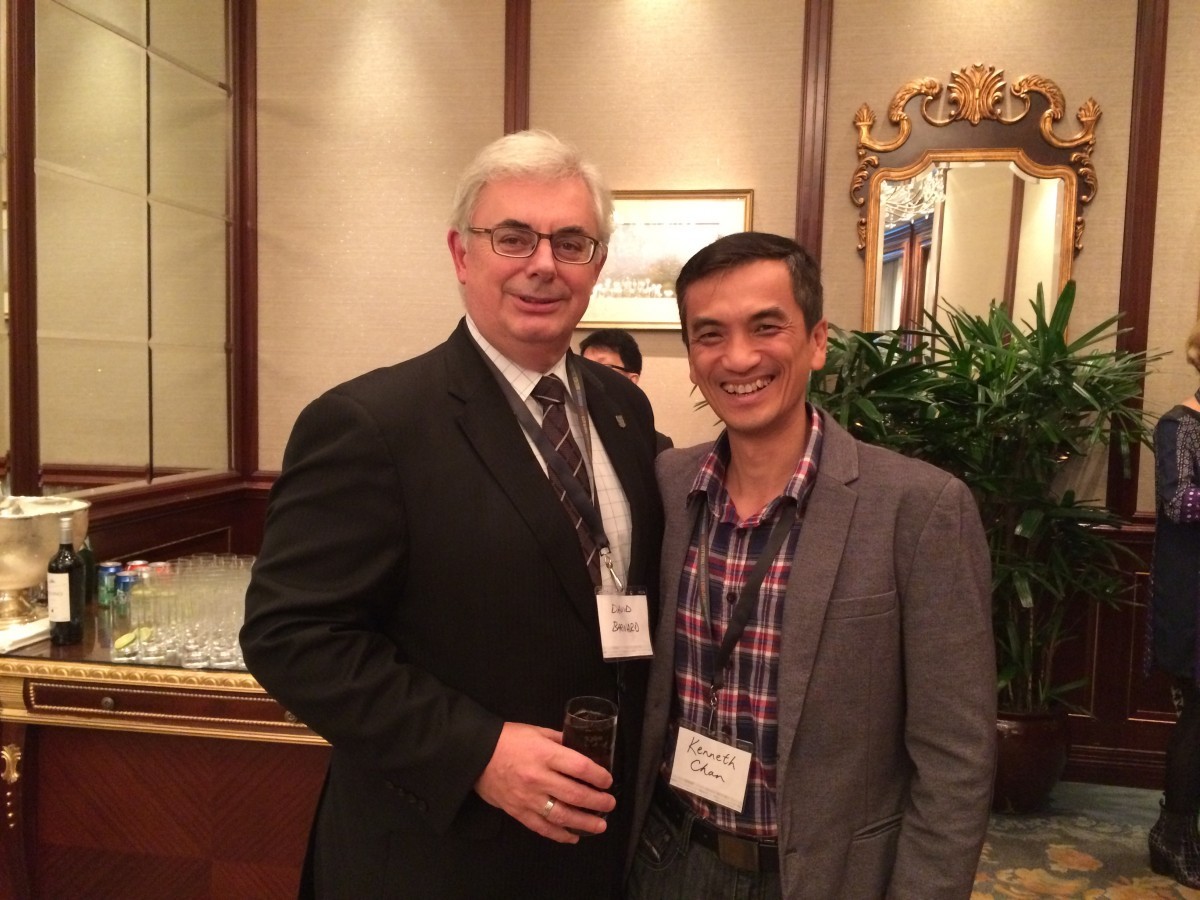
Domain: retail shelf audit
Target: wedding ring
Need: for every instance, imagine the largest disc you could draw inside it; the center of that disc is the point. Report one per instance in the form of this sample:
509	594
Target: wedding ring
548	808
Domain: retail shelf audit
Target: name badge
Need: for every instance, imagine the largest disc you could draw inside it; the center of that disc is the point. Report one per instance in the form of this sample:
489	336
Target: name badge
711	768
624	625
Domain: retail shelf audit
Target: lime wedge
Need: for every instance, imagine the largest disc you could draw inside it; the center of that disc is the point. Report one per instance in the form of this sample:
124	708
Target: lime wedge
124	640
137	634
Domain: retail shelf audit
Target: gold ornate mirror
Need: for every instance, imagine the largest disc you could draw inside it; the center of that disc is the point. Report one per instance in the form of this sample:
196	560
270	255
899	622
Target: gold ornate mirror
977	200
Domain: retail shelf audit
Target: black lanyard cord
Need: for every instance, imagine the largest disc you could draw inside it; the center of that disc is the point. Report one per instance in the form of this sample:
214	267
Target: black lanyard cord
579	498
749	596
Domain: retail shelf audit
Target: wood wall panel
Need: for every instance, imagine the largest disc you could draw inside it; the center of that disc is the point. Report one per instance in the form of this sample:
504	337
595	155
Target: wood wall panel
14	850
74	872
223	516
121	815
1120	737
24	434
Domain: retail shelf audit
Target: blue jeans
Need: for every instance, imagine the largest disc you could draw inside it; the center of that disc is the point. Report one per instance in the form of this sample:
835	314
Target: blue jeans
668	867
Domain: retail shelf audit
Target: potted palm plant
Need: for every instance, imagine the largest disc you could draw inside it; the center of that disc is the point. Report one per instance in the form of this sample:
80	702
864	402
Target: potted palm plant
1008	407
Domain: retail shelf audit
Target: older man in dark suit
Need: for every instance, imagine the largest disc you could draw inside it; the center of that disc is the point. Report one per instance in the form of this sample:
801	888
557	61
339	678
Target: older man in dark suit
821	713
426	597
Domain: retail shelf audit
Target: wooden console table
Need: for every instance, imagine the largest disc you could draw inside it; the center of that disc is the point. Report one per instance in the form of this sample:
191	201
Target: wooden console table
126	780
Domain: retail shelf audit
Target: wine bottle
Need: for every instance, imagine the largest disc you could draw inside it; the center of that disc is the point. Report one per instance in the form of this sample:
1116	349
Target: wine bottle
66	583
89	568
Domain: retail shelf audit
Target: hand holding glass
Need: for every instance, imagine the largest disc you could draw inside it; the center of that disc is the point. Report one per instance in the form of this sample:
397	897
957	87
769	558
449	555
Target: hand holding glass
590	728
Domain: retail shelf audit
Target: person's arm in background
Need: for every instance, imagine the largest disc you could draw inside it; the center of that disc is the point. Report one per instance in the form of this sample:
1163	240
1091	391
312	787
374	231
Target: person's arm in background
1178	493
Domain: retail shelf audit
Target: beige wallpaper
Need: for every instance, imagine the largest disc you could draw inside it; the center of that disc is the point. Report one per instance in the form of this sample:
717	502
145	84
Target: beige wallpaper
367	112
1085	47
1176	285
672	95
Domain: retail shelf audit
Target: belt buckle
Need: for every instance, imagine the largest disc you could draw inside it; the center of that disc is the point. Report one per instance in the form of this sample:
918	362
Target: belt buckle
737	852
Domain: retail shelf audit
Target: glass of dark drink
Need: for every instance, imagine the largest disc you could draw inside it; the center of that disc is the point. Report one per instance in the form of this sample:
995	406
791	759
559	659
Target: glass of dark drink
590	728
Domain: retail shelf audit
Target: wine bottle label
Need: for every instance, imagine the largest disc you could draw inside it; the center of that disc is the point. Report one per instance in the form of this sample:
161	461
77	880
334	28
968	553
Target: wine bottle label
58	596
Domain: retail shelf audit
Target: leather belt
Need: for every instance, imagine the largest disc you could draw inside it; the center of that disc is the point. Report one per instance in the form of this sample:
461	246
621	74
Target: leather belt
747	854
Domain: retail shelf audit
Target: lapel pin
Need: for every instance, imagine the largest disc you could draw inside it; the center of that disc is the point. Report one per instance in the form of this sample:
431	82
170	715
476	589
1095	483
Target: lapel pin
621	421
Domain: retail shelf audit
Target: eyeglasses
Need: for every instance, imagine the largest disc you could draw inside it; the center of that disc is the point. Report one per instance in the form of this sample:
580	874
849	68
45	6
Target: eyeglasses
519	243
621	369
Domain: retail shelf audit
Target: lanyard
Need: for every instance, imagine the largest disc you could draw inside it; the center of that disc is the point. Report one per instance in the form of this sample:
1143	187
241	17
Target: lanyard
749	598
579	497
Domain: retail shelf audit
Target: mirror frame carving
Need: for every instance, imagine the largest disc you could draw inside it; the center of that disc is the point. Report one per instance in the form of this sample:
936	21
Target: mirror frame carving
975	97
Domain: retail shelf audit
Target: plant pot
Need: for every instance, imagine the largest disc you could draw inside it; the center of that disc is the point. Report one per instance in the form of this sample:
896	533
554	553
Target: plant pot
1032	751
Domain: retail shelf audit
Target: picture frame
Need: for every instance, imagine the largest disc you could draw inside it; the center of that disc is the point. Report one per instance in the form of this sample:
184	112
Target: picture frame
654	234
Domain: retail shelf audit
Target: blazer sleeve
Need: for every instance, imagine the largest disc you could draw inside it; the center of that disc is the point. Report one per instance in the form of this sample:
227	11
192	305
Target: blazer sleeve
316	634
950	725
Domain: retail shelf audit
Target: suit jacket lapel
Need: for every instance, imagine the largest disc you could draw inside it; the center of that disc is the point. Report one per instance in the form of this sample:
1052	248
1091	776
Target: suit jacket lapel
681	525
824	537
493	430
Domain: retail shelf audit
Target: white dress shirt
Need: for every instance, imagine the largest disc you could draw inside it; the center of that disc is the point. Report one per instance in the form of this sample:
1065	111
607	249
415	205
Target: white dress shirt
611	501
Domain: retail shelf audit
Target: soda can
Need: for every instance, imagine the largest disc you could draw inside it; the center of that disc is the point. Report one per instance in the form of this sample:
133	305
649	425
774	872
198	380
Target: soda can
106	582
124	635
125	580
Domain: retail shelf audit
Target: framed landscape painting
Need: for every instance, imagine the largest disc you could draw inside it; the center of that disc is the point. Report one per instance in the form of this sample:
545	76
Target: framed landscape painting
654	234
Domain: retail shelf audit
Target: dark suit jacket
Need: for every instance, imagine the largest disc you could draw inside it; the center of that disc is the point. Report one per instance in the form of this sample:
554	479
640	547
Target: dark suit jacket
887	678
419	584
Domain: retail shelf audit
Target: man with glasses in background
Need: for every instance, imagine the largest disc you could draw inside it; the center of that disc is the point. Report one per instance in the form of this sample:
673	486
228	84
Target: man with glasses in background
617	349
428	593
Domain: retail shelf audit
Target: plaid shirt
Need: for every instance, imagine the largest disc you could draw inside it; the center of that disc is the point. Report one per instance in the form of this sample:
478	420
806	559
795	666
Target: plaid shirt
750	695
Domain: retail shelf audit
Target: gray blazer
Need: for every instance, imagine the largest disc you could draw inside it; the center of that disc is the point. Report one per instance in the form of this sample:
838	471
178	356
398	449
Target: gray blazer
887	678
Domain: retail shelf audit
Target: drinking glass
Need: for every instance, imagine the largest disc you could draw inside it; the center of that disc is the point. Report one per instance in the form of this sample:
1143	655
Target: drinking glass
227	610
196	589
125	645
590	728
149	616
164	582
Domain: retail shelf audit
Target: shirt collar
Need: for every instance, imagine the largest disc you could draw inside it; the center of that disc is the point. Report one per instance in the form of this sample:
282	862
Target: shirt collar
710	480
523	380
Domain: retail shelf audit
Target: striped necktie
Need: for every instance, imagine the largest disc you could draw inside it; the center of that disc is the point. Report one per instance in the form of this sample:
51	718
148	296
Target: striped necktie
552	395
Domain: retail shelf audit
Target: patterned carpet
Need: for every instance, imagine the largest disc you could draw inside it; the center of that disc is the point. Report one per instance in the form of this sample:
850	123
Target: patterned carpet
1089	843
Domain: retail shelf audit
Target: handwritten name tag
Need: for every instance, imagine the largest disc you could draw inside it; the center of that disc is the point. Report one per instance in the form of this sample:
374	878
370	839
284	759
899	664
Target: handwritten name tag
624	625
710	768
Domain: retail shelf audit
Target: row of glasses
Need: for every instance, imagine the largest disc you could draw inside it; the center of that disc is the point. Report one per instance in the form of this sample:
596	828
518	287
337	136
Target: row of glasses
185	612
